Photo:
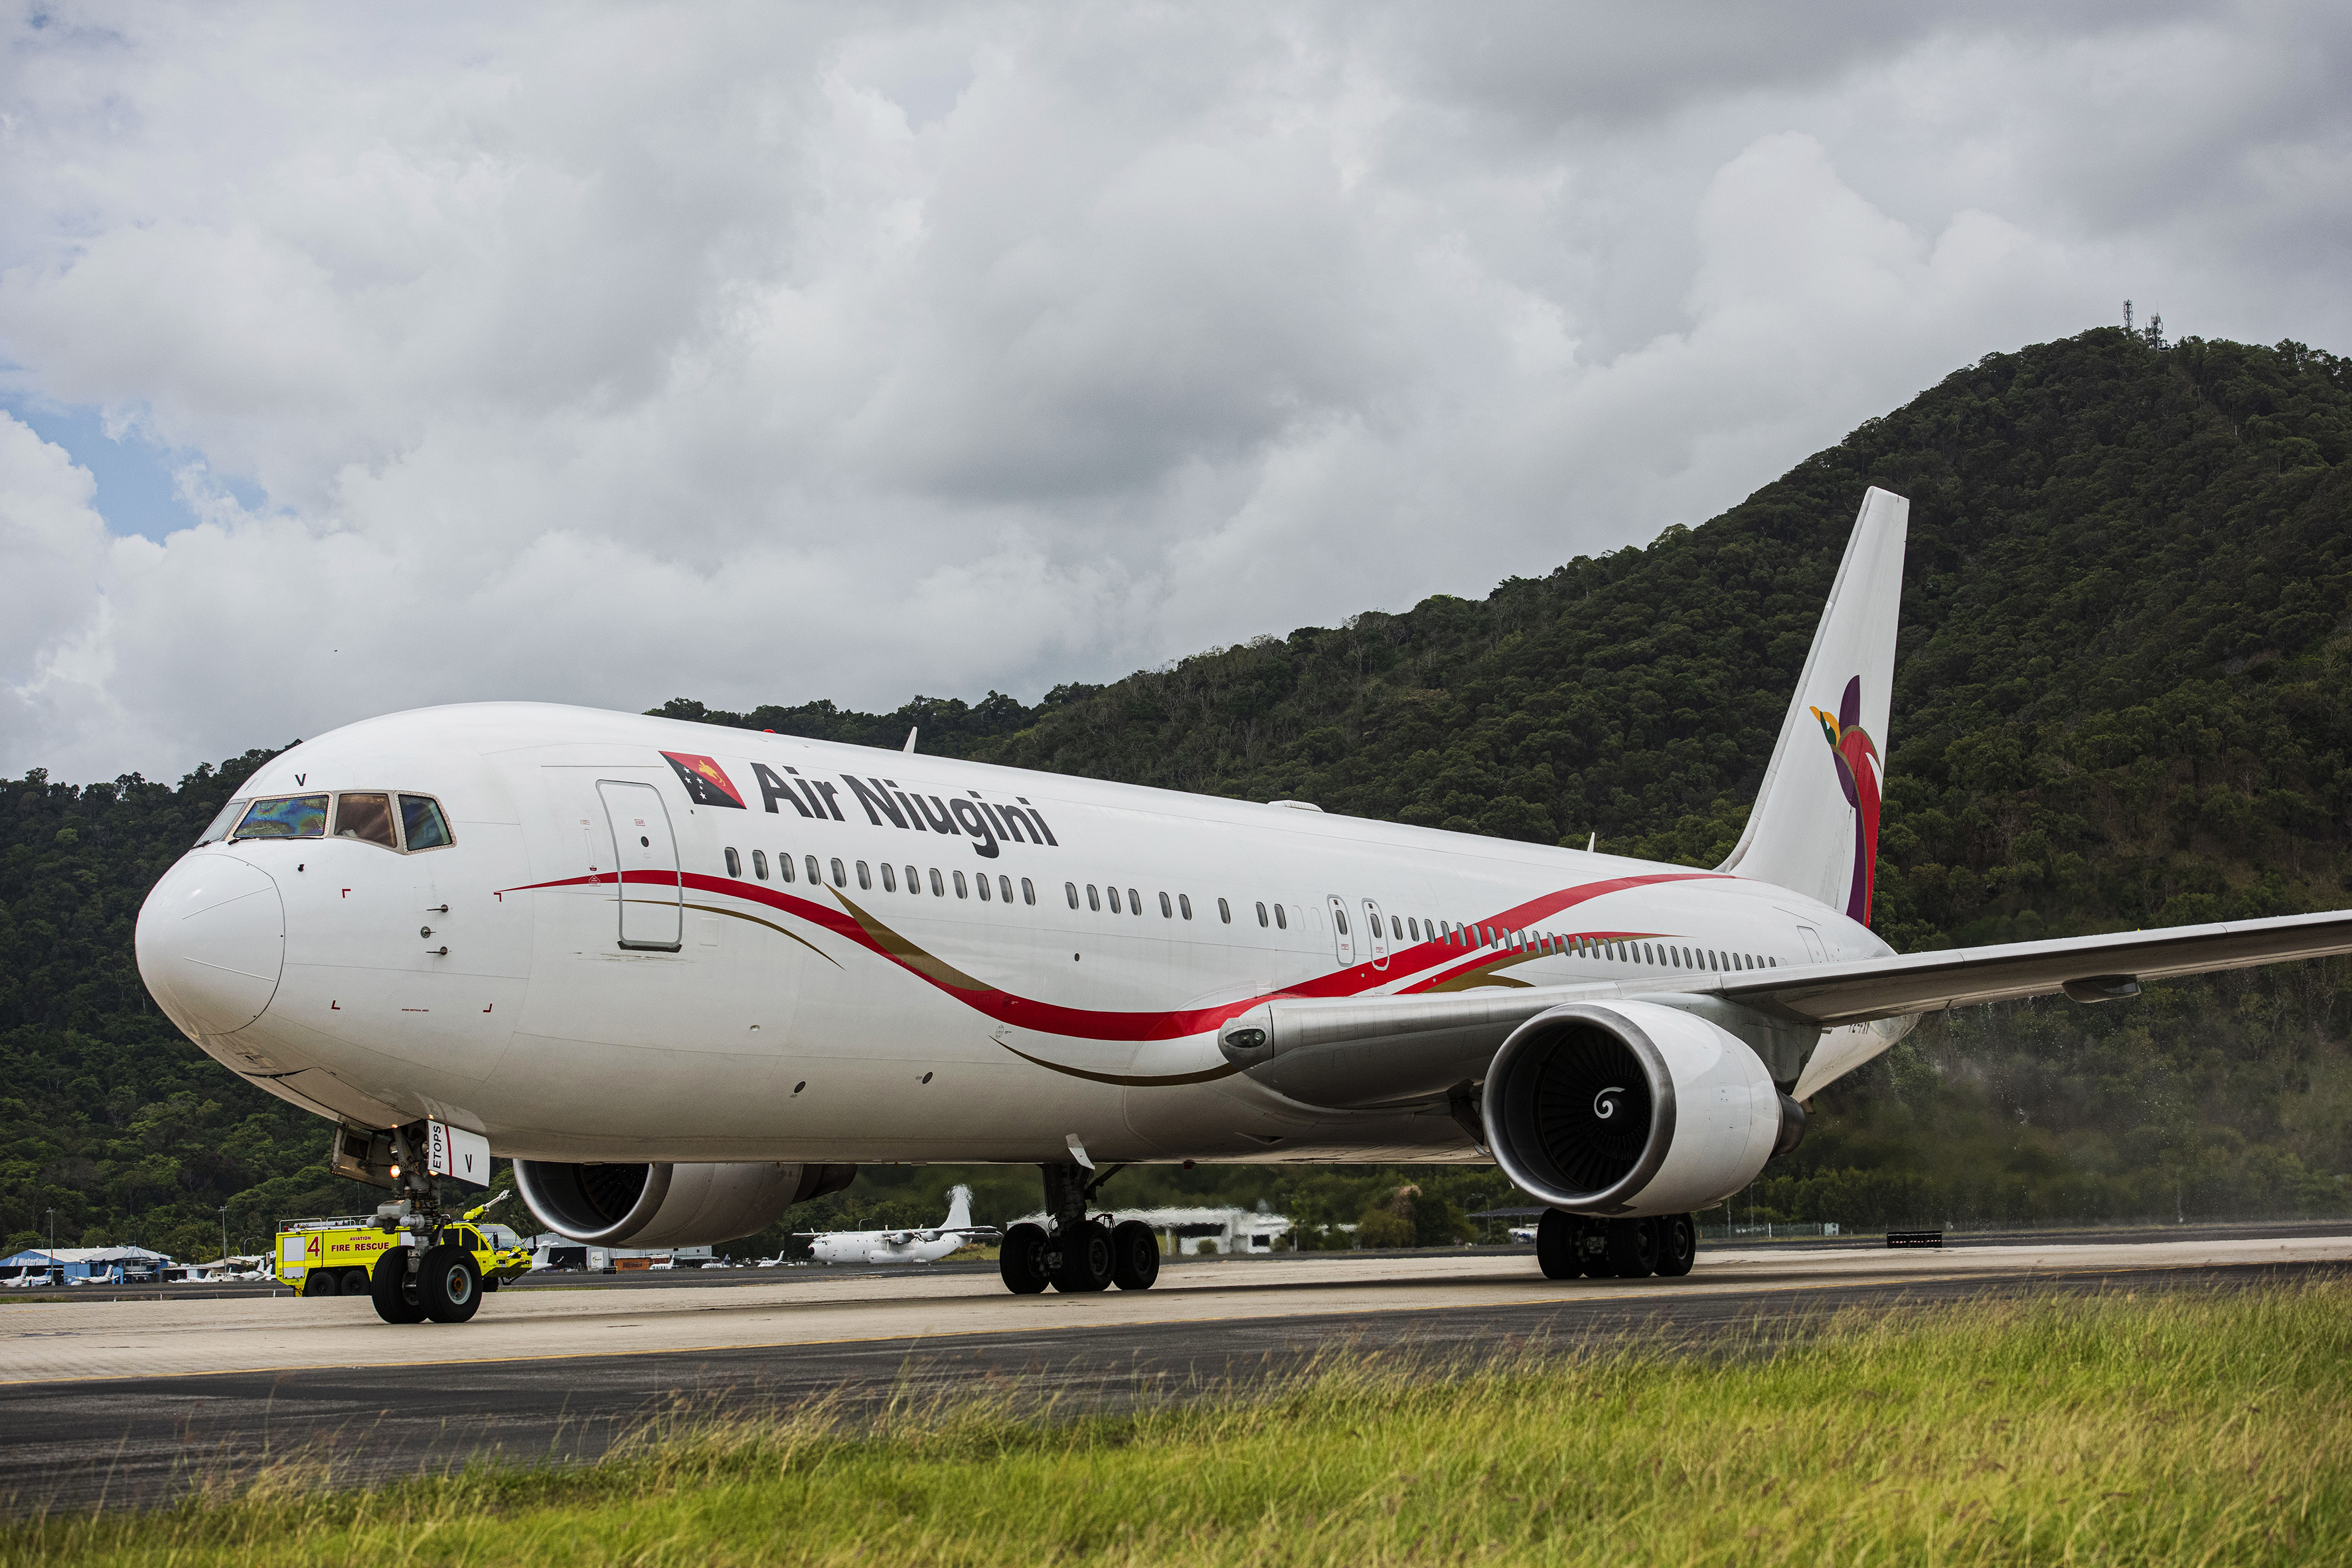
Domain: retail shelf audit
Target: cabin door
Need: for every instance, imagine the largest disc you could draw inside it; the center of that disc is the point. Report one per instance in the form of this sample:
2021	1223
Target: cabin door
1343	939
644	853
1379	932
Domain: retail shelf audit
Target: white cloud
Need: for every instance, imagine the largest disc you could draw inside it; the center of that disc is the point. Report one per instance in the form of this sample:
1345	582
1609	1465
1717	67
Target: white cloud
763	353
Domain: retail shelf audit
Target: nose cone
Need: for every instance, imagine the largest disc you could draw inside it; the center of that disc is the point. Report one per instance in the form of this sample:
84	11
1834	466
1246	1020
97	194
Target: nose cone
212	942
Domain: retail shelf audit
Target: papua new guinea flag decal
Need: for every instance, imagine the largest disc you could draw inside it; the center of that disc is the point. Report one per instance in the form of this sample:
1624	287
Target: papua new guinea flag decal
706	782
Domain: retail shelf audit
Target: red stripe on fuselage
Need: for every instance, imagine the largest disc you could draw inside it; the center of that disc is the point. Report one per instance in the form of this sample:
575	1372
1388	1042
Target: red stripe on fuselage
1089	1024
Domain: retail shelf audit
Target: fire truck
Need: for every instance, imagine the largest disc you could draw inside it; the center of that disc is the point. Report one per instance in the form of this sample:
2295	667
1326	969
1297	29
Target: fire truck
333	1256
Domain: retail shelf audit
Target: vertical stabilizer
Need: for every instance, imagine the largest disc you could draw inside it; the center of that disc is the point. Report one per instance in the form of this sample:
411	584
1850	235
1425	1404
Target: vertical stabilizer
959	1209
1815	826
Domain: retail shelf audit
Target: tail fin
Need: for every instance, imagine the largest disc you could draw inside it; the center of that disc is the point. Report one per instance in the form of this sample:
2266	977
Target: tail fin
959	1209
1815	826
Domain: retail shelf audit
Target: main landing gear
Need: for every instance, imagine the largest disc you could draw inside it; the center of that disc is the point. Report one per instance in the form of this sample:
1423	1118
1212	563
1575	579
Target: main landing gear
1075	1251
1568	1245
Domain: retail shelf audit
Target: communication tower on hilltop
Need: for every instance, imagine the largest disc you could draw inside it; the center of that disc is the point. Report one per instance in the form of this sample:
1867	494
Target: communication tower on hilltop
2153	333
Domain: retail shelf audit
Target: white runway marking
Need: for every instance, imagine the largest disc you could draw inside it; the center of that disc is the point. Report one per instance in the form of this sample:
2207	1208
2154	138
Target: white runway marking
55	1342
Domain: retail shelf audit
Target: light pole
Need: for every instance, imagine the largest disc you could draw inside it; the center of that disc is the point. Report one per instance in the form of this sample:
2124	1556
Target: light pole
224	1217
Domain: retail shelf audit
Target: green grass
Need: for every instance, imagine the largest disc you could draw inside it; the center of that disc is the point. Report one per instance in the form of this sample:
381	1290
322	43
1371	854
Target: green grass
2181	1428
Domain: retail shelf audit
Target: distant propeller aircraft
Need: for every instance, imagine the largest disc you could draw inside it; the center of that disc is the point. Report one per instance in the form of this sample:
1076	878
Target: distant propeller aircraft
927	1245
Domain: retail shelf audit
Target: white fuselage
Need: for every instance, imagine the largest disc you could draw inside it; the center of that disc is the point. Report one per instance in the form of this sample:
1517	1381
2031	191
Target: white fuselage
864	1018
881	1247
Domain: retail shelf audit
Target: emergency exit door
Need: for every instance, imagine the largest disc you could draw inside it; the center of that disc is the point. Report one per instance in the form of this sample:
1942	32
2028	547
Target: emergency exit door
644	853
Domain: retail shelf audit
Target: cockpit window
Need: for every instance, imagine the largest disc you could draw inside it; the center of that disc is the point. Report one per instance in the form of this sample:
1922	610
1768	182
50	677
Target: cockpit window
365	817
223	821
422	823
290	816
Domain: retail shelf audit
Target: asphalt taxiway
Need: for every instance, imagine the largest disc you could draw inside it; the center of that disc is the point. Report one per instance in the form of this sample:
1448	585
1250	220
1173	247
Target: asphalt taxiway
132	1402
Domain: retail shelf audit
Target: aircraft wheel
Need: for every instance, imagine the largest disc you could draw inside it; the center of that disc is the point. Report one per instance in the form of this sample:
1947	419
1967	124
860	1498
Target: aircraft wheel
1086	1260
1134	1256
395	1299
449	1284
1632	1248
1023	1259
1677	1245
1559	1240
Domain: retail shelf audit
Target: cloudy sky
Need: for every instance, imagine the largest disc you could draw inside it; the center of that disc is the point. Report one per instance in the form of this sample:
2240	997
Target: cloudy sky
354	359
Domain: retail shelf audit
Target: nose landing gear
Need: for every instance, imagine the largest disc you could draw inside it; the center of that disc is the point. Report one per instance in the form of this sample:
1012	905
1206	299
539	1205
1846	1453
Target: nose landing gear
1075	1252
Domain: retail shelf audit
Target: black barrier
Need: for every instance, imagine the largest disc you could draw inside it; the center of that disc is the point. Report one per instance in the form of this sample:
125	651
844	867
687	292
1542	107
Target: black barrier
1915	1238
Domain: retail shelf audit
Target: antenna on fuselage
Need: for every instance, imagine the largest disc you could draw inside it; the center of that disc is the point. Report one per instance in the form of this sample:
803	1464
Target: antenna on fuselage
1592	843
910	739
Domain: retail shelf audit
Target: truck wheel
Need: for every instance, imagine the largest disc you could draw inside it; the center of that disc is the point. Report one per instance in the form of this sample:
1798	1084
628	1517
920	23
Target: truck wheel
1134	1256
1022	1260
354	1281
488	1285
396	1297
449	1284
322	1282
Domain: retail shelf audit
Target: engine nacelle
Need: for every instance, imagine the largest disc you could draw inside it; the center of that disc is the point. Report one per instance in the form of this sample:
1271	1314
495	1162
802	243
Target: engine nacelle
1630	1108
670	1205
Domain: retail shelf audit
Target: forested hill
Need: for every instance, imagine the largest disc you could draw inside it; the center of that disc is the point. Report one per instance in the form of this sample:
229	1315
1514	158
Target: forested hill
2120	700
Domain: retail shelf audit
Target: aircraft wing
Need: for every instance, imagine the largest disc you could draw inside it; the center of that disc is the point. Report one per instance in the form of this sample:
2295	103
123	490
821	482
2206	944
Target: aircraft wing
2088	968
1396	1050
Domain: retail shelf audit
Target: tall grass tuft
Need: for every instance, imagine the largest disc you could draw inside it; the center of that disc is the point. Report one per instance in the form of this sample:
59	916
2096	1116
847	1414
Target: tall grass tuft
2181	1428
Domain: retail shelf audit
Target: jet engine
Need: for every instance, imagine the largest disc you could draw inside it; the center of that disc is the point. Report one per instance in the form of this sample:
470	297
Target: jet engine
670	1205
1631	1107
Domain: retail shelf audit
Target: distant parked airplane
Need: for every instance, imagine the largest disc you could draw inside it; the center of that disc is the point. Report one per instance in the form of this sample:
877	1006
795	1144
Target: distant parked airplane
902	1245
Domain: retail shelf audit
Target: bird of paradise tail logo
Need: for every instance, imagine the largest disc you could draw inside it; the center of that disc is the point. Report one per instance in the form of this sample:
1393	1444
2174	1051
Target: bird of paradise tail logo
1852	746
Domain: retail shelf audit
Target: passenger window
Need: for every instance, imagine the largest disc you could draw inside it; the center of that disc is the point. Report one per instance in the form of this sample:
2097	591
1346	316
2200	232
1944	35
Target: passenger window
939	889
914	881
1396	927
1071	888
1224	913
1184	905
959	888
1261	912
816	878
760	864
734	863
985	896
865	878
783	866
1341	917
889	878
294	817
226	819
422	825
1167	909
1413	926
367	817
1281	921
1094	903
1134	902
840	878
1028	892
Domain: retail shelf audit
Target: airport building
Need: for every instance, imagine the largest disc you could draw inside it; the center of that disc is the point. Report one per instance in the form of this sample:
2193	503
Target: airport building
84	1265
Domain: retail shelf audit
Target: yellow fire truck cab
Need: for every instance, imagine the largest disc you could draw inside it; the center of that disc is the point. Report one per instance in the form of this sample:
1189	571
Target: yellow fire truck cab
332	1257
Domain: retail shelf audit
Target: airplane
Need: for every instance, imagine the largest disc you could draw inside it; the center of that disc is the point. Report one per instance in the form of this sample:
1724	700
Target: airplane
685	977
927	1245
